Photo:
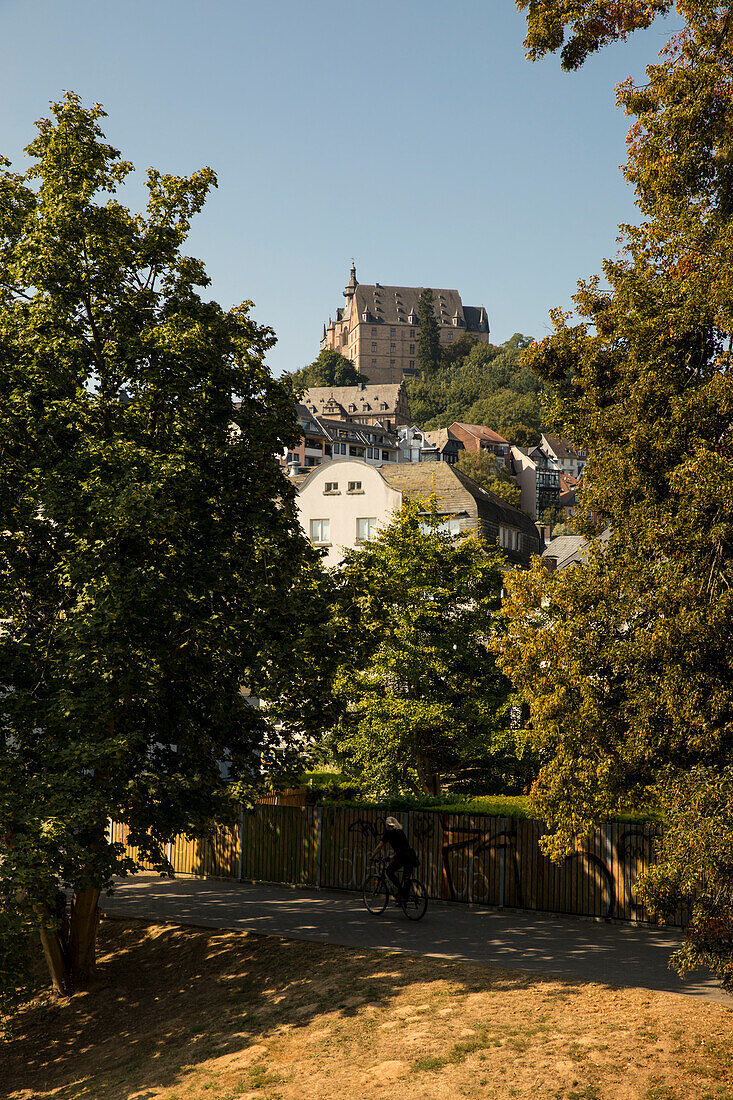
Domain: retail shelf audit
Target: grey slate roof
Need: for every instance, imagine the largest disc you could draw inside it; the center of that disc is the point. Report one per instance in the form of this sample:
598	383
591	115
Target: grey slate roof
394	304
371	395
571	549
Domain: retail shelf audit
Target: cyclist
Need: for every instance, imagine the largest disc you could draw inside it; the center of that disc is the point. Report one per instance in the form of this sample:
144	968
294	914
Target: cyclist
404	857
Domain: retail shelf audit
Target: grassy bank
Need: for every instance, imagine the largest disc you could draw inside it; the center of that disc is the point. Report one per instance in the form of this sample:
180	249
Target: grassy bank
334	787
186	1014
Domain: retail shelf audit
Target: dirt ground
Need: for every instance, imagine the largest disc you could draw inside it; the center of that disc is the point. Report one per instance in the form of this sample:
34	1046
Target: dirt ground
185	1014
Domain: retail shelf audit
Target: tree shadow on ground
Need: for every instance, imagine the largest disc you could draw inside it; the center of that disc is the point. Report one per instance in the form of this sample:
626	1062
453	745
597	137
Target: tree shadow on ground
168	998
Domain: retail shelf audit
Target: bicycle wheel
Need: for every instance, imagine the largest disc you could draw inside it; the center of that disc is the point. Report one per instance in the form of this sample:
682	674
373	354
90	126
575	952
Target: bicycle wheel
375	893
417	901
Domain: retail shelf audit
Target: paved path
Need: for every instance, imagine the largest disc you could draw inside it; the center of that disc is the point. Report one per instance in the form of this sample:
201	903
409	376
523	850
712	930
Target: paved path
621	955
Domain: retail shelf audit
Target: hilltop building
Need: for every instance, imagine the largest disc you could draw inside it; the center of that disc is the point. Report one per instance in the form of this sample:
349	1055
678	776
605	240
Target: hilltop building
378	327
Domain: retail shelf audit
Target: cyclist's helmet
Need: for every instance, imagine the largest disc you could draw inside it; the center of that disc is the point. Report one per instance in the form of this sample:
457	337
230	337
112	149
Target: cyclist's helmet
392	823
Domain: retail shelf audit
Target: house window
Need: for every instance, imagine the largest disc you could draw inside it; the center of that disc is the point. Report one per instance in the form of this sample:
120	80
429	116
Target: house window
385	456
331	487
320	530
451	526
357	452
365	529
354	487
412	349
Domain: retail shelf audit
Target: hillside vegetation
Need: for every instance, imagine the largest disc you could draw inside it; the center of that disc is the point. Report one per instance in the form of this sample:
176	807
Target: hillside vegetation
480	384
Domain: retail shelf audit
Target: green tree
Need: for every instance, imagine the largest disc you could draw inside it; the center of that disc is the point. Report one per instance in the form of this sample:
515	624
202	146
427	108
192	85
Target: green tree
148	541
423	697
330	368
428	343
489	472
626	663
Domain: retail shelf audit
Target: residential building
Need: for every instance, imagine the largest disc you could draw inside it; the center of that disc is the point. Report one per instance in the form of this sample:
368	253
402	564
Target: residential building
538	478
417	445
345	503
568	550
567	458
342	504
477	437
324	439
568	501
445	443
378	327
364	404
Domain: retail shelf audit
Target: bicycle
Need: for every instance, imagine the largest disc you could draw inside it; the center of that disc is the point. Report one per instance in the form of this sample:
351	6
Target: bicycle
377	889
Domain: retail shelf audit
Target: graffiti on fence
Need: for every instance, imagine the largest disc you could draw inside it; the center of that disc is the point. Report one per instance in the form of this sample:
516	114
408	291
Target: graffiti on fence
634	853
482	859
354	857
470	880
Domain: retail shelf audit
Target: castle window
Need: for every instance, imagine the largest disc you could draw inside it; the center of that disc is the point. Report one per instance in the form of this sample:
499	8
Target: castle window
374	332
391	362
450	336
374	362
374	346
412	349
393	348
412	364
393	332
412	333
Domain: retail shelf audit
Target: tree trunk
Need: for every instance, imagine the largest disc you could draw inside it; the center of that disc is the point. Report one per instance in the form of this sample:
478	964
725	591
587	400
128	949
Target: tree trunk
83	935
55	959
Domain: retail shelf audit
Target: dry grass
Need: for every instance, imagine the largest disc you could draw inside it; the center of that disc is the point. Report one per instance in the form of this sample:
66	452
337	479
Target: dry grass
183	1014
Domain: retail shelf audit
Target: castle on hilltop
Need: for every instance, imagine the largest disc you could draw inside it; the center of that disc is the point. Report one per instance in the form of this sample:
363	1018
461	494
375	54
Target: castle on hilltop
378	327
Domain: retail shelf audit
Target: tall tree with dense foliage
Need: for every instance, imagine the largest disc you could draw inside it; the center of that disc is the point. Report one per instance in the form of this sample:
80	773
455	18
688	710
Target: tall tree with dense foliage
428	342
626	663
149	546
489	472
423	696
329	368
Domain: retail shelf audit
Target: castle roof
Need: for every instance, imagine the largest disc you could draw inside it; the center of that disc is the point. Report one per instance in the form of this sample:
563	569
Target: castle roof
397	304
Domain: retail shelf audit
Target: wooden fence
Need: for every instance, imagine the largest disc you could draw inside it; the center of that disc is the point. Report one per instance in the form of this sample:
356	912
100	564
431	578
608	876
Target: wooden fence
494	861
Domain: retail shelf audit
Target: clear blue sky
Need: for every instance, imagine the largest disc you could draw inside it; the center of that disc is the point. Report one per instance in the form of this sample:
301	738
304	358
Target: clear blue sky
410	134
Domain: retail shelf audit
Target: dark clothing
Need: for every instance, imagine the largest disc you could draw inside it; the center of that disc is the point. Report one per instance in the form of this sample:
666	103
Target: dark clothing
399	843
404	859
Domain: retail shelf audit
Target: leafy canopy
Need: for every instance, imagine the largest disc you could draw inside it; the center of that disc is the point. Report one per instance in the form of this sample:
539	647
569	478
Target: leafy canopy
626	663
423	696
151	561
330	368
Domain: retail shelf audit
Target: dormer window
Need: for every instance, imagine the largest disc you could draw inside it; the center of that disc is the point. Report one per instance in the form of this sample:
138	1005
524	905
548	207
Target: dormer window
352	408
